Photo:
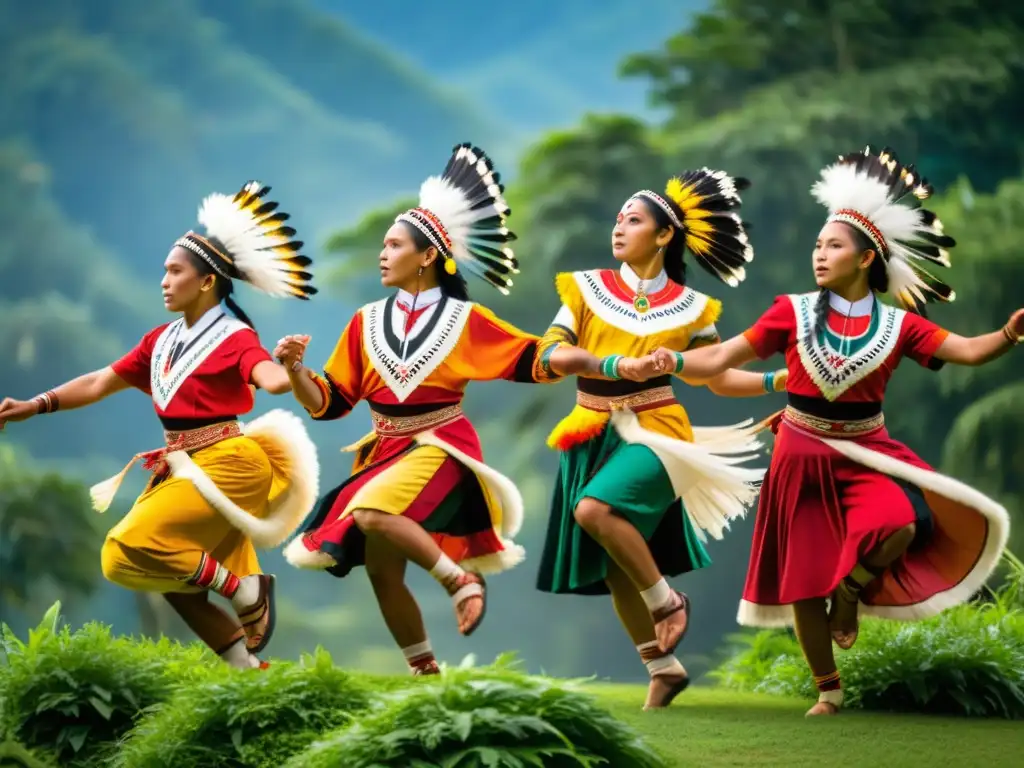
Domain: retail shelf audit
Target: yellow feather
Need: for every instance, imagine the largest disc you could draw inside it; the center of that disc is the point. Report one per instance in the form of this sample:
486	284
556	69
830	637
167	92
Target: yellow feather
700	226
681	195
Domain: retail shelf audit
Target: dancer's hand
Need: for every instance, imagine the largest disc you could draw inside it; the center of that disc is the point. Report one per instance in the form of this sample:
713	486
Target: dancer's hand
665	360
637	368
17	410
291	350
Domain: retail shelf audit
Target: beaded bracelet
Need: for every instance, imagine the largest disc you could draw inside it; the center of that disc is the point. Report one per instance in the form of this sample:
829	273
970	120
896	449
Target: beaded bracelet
610	367
680	360
768	381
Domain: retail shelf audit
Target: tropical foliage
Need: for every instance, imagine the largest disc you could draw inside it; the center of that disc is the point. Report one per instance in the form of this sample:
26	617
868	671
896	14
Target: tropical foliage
86	698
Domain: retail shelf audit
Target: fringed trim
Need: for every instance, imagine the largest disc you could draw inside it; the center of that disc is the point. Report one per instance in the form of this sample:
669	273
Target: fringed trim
292	454
995	515
710	314
569	292
578	427
299	555
764	616
508	558
706	473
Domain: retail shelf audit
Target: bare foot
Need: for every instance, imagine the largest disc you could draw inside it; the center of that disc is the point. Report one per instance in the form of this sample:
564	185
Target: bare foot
843	620
664	688
822	708
469	595
671	623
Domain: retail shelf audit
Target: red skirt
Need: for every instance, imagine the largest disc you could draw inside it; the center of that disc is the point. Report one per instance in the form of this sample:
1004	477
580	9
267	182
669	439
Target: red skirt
450	500
826	502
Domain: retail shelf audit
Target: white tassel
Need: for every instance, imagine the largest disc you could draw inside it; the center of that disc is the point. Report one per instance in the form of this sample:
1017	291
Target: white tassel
102	494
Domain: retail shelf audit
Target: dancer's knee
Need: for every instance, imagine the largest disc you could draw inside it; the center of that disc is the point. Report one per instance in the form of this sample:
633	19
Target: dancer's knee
905	535
116	566
590	513
369	520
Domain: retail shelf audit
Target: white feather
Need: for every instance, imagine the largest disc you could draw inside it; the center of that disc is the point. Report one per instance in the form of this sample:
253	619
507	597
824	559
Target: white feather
249	245
841	186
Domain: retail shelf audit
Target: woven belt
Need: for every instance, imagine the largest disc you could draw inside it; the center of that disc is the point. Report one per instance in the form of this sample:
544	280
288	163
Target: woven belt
853	428
641	401
189	440
192	440
405	426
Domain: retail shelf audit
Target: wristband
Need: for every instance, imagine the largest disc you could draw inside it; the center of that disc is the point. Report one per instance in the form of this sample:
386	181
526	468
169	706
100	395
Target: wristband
610	367
1011	337
768	381
680	360
48	401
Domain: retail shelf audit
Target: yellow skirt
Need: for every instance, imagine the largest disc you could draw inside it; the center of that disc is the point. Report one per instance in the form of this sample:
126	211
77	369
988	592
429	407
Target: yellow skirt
159	543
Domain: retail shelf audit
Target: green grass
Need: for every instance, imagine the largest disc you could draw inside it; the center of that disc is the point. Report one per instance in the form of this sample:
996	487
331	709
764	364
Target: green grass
709	727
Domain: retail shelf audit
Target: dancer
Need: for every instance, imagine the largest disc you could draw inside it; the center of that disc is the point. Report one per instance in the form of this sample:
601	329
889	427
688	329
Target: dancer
847	514
637	486
419	490
218	488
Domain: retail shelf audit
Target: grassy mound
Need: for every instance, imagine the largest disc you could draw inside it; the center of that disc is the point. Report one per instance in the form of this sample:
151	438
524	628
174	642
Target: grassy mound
74	695
86	698
475	718
257	719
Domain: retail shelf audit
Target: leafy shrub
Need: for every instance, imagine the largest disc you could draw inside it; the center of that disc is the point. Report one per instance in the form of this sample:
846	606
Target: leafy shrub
754	655
76	694
492	717
968	660
256	719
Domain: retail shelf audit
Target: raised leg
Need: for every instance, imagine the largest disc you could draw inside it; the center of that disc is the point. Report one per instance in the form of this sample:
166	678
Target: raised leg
150	570
668	608
468	590
215	627
668	676
846	599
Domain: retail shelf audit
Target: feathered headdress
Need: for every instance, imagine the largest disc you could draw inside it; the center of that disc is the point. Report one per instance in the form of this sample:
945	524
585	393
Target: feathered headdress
462	213
713	231
246	238
881	198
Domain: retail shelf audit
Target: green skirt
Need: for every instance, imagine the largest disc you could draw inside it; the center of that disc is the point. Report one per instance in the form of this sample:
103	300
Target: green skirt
631	480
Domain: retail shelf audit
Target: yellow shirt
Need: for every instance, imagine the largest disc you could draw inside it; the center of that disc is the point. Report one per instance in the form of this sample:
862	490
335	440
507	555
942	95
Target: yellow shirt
599	313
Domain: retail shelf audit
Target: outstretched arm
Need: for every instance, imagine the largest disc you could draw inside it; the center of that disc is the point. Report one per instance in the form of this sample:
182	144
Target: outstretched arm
978	350
77	393
708	363
736	383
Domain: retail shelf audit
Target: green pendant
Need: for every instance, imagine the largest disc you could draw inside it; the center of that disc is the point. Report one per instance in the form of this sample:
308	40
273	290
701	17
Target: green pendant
641	304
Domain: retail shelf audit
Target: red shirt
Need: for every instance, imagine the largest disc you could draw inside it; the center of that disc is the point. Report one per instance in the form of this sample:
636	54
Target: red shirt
859	356
217	387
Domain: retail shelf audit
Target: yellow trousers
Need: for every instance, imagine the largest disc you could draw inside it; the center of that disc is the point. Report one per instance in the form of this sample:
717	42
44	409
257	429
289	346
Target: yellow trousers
158	545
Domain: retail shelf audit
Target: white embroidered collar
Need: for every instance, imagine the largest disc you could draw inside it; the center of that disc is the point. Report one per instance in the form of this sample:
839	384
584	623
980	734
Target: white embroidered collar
630	278
859	308
423	299
212	315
